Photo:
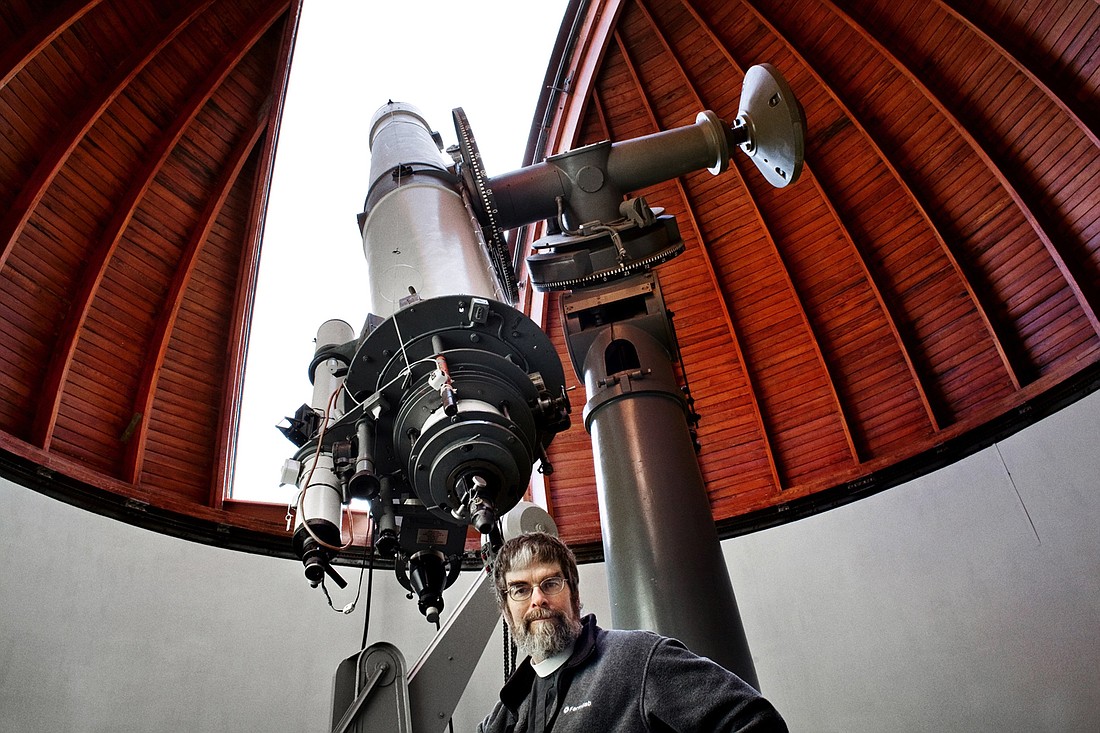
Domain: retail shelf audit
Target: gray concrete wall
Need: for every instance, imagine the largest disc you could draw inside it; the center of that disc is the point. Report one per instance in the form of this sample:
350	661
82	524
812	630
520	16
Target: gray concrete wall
968	600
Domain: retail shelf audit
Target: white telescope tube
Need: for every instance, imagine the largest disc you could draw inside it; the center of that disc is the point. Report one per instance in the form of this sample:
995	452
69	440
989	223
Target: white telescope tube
418	235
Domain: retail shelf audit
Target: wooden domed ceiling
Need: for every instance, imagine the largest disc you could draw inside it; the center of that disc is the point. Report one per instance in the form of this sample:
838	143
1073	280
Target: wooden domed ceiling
932	278
135	146
931	283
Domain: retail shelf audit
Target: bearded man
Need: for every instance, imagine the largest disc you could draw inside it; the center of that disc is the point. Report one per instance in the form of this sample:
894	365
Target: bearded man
579	677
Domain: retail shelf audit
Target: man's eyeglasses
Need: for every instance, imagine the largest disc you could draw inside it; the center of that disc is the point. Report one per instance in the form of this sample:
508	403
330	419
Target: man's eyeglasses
549	586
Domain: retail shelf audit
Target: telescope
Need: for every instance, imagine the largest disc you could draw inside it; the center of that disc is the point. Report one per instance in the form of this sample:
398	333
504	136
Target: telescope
435	413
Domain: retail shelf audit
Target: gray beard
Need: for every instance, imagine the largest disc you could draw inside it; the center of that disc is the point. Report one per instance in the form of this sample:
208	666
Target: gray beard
544	640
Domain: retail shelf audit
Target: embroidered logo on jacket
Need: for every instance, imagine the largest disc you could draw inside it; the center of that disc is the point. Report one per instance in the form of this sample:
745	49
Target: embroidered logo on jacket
575	708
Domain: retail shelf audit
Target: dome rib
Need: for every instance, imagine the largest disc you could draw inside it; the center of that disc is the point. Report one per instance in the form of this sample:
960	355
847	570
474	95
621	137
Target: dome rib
965	129
1067	104
42	33
700	104
142	181
942	235
166	324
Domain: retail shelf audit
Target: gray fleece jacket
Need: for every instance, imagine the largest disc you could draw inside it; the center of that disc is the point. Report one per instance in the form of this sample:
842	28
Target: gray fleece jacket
629	681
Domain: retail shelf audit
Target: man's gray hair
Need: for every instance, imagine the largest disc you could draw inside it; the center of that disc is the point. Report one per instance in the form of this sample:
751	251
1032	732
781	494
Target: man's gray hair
534	548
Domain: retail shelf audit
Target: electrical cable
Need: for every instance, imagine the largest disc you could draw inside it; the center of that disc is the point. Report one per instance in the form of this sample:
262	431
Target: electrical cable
401	341
406	371
370	592
402	374
344	386
351	606
309	477
327	596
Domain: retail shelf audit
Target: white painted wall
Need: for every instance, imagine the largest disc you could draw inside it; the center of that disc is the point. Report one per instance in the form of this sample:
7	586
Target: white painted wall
968	600
108	628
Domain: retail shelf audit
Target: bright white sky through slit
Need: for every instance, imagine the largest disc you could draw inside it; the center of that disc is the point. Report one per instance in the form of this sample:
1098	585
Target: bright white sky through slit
486	56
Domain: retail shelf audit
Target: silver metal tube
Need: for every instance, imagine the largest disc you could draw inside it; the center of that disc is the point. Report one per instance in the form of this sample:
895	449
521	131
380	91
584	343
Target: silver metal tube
662	156
322	499
593	179
417	234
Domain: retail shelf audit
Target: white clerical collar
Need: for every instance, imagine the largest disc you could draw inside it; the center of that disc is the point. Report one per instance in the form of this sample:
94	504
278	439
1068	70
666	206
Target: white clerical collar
549	666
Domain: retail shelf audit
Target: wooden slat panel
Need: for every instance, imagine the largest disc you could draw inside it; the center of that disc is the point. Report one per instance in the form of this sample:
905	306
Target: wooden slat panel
69	147
634	23
1036	142
904	57
962	263
169	221
210	307
898	248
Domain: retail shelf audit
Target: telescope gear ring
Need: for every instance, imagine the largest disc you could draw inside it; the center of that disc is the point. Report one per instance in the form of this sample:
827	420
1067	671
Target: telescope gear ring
608	252
476	180
616	273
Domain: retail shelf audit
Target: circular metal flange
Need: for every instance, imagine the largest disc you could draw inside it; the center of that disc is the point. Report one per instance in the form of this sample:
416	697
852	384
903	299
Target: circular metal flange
493	352
482	382
478	439
775	125
491	433
403	344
